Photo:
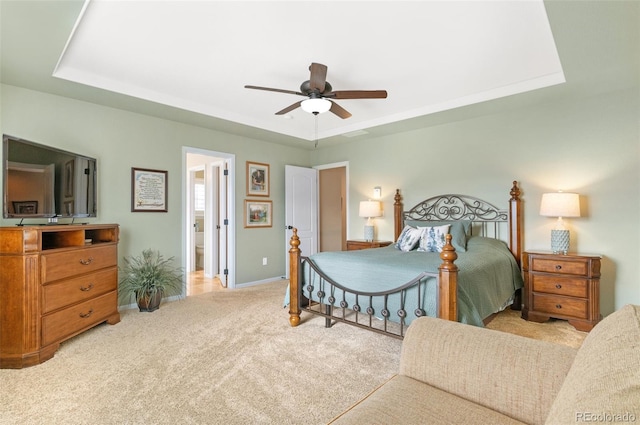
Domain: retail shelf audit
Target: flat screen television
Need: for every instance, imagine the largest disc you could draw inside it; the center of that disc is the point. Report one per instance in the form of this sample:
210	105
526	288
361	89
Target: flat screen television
42	181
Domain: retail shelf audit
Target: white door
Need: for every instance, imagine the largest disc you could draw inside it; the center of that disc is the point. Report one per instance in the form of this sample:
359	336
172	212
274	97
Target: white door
301	209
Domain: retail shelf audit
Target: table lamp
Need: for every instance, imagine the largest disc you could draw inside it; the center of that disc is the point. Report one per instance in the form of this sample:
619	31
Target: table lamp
560	204
369	209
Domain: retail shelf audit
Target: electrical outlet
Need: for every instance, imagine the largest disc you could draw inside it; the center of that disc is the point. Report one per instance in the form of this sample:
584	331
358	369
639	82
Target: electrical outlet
264	261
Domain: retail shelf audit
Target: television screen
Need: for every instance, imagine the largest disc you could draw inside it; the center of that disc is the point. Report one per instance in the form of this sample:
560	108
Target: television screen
42	181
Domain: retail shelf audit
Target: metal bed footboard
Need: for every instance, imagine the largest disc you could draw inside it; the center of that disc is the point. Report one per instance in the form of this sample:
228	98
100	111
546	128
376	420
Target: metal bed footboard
322	296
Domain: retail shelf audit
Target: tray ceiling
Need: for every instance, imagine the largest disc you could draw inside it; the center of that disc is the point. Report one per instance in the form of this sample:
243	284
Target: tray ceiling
430	56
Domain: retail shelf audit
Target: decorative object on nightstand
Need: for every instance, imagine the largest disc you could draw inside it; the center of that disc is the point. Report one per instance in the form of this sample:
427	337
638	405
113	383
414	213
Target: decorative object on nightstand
560	204
357	244
562	286
369	209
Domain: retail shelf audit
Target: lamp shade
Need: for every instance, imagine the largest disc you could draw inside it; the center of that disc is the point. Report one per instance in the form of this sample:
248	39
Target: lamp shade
370	209
315	105
560	204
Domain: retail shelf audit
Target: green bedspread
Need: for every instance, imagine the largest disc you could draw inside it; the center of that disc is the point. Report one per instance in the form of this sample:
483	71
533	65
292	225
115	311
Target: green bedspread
488	277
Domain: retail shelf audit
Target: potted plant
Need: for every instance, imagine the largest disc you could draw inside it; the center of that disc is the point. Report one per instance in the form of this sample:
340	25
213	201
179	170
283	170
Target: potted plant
149	277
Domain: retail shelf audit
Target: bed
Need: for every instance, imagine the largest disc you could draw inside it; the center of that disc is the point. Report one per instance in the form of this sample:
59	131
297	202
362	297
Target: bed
467	268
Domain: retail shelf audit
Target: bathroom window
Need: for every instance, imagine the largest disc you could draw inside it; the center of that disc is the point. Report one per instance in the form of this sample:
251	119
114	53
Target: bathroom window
198	195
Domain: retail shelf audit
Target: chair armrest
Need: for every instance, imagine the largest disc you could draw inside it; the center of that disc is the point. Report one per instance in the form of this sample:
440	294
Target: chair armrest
513	375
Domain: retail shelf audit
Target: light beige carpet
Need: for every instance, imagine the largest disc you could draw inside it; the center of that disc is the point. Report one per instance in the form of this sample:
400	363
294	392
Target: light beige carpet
558	331
228	357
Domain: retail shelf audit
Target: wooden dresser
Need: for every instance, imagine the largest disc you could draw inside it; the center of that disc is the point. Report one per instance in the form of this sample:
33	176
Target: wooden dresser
562	286
55	282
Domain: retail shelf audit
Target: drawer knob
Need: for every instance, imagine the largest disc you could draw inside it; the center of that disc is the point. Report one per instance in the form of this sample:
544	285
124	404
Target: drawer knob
86	262
558	286
558	267
86	288
558	306
85	315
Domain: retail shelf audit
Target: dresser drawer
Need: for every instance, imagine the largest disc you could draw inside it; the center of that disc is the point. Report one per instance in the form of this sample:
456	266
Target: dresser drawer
558	305
568	266
73	290
78	317
59	265
560	285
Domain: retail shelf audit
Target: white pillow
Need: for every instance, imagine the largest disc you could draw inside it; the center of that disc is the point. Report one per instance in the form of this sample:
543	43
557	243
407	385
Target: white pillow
408	239
433	238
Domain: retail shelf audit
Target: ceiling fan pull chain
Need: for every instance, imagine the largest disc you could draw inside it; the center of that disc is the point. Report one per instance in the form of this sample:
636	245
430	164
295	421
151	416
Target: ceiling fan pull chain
316	145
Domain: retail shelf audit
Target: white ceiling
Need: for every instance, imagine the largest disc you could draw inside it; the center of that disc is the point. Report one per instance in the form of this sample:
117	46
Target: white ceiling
197	56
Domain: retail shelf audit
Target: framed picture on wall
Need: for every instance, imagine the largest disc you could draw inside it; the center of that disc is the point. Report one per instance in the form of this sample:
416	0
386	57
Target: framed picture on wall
257	179
257	213
148	190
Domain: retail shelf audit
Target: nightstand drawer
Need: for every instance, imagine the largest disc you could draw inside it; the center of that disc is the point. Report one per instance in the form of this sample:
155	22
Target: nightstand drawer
560	285
575	267
558	305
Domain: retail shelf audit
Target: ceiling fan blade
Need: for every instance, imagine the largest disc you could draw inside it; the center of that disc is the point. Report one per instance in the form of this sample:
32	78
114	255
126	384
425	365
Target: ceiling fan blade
339	110
357	94
276	90
289	108
318	77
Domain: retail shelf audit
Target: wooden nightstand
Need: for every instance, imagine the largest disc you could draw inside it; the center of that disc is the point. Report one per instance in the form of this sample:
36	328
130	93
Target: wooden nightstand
562	286
356	244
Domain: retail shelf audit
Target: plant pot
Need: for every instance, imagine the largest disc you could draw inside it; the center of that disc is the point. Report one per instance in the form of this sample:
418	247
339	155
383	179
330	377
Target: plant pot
150	303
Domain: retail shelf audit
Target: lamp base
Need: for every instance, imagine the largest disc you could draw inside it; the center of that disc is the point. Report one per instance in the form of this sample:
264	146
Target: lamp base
368	233
559	241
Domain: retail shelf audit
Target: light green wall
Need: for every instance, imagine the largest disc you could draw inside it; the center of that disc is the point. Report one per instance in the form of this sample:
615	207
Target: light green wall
590	146
121	140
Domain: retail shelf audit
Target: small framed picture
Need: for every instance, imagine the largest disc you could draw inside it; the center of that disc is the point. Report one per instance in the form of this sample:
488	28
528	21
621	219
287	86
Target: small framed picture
257	213
25	207
257	179
148	190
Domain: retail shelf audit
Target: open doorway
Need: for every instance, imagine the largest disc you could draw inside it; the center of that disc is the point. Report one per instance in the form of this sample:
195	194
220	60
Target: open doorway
208	230
332	203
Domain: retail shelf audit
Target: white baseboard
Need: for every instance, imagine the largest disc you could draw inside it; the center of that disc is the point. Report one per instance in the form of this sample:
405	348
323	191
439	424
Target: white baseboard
259	282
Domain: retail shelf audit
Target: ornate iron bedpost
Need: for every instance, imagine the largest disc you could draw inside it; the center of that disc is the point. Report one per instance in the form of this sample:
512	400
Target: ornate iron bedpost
294	293
448	283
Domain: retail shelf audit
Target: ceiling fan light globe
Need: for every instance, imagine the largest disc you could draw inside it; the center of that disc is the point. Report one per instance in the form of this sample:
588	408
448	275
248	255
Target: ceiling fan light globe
316	105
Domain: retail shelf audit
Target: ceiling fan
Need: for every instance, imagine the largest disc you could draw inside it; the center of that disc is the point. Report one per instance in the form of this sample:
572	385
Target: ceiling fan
318	92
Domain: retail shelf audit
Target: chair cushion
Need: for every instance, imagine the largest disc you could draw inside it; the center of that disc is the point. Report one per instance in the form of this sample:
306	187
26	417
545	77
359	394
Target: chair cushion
403	400
507	373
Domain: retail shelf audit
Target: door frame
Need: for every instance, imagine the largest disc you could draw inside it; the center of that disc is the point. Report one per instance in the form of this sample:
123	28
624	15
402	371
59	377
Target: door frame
226	190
